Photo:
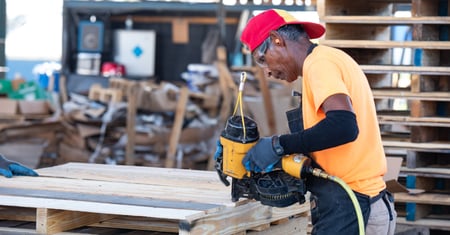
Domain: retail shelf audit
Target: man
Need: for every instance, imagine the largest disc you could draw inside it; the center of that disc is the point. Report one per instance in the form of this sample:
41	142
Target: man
341	132
9	168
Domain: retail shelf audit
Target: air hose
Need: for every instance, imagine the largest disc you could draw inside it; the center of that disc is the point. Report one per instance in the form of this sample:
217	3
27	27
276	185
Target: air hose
322	174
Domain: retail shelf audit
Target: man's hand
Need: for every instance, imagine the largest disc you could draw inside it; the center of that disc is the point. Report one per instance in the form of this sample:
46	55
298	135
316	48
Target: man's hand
9	168
262	156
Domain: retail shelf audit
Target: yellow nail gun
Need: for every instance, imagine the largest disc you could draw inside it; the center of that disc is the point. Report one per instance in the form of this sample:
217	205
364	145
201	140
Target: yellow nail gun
279	188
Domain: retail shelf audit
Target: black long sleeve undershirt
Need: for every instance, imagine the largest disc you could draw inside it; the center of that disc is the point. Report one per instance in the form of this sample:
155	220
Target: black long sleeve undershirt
337	128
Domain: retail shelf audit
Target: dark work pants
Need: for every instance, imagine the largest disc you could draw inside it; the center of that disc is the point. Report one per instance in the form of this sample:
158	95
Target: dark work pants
332	211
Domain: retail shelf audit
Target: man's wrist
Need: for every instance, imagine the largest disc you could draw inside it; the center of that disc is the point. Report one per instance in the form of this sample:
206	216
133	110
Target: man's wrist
277	148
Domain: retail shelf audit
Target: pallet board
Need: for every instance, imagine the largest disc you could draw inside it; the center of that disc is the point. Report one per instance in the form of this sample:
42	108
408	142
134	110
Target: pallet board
73	195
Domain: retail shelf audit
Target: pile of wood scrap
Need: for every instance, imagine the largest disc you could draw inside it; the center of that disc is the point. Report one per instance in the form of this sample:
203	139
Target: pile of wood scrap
96	128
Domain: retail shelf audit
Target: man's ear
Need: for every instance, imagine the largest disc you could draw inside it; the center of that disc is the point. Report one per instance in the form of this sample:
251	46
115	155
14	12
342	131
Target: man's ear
276	38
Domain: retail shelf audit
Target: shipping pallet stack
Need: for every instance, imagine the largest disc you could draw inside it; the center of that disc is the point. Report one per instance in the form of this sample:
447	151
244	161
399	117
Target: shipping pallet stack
414	118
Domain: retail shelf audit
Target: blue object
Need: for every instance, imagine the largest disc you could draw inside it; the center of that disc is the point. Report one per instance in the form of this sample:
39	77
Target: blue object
219	150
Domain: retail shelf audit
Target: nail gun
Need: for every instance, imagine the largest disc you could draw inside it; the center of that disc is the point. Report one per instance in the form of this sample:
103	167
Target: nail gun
276	188
279	188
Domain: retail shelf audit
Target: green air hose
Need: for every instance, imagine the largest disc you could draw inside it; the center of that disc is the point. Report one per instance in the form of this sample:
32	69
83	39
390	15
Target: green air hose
322	174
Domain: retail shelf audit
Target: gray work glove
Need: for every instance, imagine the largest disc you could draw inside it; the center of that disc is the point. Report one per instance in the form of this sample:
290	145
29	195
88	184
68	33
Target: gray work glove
262	157
9	168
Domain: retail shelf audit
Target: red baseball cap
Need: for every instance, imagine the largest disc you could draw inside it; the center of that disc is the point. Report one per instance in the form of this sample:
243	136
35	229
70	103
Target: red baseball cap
259	27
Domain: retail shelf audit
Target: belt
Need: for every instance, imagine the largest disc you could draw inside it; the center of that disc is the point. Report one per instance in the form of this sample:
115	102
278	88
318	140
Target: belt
387	197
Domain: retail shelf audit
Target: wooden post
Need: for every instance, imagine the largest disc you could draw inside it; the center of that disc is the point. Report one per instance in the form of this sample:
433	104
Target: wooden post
131	122
267	99
177	126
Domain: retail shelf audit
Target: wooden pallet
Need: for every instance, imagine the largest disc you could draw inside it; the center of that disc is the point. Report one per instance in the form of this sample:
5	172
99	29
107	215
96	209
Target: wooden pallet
74	195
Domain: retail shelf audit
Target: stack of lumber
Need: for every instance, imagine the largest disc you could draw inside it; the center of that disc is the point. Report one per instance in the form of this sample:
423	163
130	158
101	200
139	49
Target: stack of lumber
76	196
414	116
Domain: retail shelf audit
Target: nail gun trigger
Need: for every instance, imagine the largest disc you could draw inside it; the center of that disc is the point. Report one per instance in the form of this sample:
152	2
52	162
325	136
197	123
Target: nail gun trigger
223	178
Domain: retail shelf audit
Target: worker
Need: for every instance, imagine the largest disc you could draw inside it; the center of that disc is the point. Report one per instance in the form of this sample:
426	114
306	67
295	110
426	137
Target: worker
340	130
9	168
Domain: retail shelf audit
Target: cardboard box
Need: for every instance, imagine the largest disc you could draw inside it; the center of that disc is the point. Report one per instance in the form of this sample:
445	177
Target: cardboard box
8	106
393	170
34	107
161	98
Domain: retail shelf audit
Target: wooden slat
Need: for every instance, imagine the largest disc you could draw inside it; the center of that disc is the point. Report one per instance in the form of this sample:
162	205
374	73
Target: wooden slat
430	96
176	128
163	192
386	20
137	174
430	223
427	172
414	121
17	213
424	198
131	123
372	44
442	146
101	208
54	221
123	200
237	216
425	70
140	223
169	19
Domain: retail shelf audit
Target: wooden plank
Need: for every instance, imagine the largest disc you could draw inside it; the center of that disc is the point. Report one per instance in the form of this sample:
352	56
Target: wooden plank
369	19
131	122
427	172
435	45
169	19
423	198
422	96
220	222
140	223
294	226
123	200
101	208
267	99
137	175
176	192
430	223
428	70
26	231
53	221
176	128
414	121
442	146
18	213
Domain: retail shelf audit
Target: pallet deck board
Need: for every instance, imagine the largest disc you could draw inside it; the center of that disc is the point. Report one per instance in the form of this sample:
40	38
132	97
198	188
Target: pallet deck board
386	20
430	223
373	44
423	198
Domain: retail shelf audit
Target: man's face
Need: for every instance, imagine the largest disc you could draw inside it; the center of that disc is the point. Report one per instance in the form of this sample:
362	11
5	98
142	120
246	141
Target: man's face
276	61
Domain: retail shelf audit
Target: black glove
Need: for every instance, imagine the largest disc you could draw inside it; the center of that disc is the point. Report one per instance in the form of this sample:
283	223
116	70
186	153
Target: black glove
9	168
262	157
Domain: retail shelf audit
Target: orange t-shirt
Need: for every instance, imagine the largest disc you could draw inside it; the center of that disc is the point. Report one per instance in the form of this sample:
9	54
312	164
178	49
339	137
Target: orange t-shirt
361	163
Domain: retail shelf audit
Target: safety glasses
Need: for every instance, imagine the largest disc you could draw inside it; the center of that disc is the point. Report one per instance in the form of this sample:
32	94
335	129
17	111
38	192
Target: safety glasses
259	55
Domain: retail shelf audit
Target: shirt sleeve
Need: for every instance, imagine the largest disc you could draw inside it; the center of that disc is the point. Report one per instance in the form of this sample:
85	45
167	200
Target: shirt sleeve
325	79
